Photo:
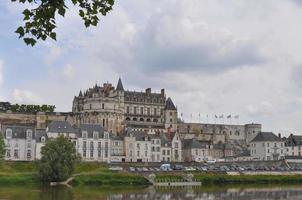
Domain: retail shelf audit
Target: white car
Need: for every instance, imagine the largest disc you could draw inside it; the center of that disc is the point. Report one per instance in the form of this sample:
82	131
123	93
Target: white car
116	168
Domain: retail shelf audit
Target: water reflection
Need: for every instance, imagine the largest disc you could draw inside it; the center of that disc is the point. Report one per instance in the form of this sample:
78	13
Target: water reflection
119	193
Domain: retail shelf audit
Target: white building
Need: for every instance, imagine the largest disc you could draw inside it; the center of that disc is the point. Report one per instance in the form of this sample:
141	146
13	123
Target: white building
93	143
195	151
267	146
19	142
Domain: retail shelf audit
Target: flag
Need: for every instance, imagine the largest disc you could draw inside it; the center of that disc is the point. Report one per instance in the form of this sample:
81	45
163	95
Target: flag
229	116
236	117
199	114
216	116
181	114
221	116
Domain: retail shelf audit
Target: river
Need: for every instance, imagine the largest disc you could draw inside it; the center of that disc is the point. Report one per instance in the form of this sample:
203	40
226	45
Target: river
262	192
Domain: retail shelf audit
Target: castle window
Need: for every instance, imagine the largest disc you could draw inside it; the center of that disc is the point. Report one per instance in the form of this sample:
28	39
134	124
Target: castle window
128	109
29	134
43	139
155	120
134	119
103	106
148	120
95	135
90	106
154	112
148	111
141	119
170	113
135	110
84	134
127	119
103	122
142	110
9	133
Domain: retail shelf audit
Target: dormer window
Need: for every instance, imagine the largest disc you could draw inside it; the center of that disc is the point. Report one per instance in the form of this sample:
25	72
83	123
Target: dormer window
43	139
95	135
9	133
106	135
29	134
84	134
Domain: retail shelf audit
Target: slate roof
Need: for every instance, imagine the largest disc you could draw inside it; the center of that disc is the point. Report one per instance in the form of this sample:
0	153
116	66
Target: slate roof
39	134
60	127
266	136
170	105
90	128
18	131
193	144
139	135
119	86
294	140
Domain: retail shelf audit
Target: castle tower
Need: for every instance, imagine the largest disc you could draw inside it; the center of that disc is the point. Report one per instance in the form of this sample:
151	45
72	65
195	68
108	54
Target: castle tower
170	115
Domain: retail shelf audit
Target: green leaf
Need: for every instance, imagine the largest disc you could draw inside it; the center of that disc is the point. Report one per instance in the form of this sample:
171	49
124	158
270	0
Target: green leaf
74	2
81	13
30	41
62	11
53	35
20	31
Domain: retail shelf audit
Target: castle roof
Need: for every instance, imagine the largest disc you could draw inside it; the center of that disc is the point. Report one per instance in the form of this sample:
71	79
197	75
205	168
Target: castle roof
266	136
193	144
170	105
119	86
60	127
91	128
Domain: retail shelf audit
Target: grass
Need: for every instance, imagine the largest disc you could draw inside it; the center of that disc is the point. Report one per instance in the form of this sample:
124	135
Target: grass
213	178
110	178
20	173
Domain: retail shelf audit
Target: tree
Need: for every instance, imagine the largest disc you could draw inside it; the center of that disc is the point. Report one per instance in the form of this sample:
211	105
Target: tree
40	21
2	149
58	160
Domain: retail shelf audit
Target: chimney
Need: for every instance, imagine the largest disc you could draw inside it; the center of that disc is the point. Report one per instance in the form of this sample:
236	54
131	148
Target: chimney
279	135
148	91
162	92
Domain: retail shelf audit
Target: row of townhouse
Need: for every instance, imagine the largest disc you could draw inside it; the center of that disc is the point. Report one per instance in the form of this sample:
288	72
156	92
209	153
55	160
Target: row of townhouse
268	146
93	143
199	151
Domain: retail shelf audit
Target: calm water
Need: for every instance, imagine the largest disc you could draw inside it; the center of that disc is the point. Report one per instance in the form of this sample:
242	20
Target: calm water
203	193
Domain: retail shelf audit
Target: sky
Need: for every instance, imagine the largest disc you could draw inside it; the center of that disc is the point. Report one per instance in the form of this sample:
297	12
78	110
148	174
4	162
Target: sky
213	57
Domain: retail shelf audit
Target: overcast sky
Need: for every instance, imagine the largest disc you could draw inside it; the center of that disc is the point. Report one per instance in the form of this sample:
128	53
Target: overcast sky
212	57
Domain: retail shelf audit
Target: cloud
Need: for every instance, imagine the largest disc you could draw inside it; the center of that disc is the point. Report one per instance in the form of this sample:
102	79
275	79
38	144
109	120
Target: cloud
1	73
26	96
69	72
180	43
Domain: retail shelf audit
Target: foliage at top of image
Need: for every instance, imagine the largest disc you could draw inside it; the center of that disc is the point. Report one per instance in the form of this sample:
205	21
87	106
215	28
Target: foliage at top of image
40	22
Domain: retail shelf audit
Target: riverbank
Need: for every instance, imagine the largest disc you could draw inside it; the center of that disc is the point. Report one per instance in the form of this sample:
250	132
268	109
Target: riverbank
97	174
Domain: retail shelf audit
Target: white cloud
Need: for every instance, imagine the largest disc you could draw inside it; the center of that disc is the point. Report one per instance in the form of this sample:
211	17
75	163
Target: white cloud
68	72
1	73
212	57
25	96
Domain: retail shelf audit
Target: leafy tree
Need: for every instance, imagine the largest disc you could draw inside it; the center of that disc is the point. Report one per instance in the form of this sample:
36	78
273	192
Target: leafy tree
58	160
40	21
2	149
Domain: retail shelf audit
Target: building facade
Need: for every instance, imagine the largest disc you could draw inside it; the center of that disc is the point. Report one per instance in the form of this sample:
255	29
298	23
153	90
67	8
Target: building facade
116	109
267	146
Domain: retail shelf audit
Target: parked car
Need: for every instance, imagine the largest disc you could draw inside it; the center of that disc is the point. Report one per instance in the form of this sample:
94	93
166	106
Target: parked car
165	167
116	168
177	167
131	169
211	161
